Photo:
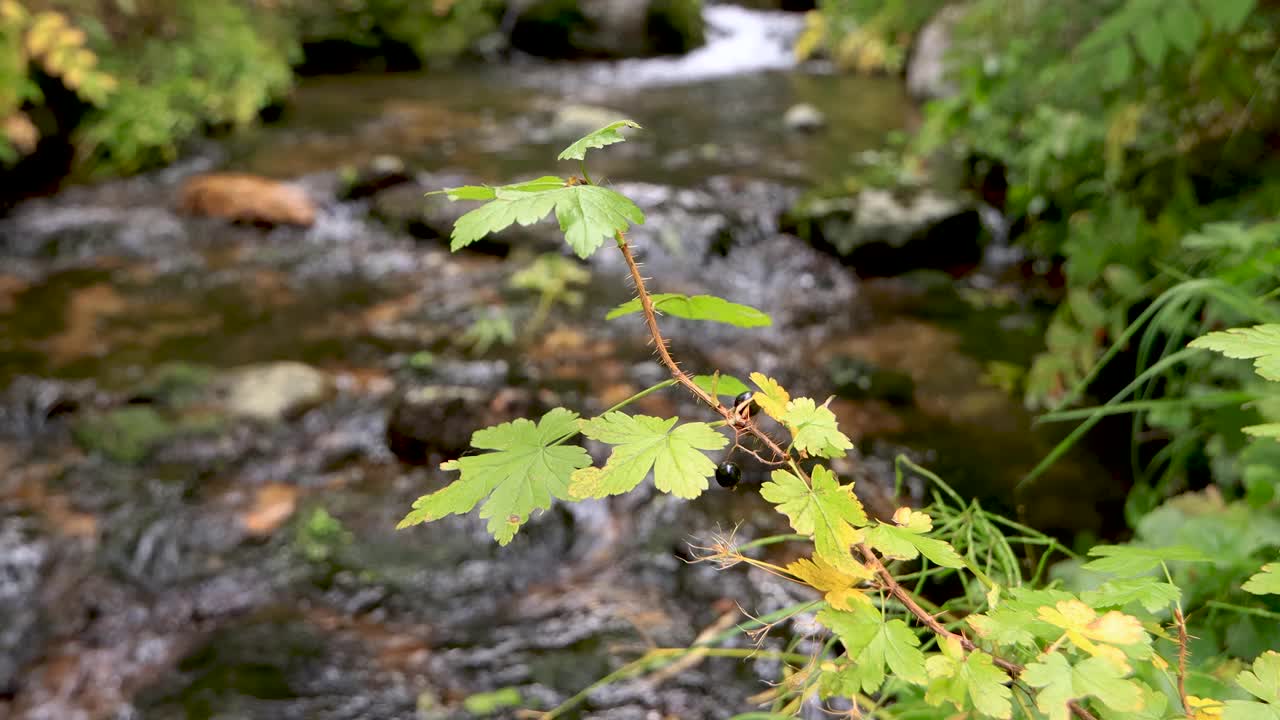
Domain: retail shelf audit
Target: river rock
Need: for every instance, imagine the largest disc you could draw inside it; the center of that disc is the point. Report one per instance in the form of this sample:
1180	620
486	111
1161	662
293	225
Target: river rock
608	28
927	63
273	391
247	198
883	232
804	117
382	172
434	422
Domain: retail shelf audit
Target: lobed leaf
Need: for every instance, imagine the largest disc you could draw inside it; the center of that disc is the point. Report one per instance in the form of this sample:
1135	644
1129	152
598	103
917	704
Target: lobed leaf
1262	682
698	307
905	540
1135	560
840	587
1264	582
968	680
719	384
643	444
828	511
607	135
1061	683
772	397
1260	343
871	644
814	430
523	473
1151	593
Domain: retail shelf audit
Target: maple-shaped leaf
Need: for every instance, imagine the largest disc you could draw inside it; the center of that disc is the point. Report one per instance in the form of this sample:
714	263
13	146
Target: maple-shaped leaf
607	135
587	213
1134	560
1151	593
966	681
1264	582
905	540
1261	343
643	443
814	430
840	587
828	511
1098	635
523	473
871	644
772	398
1061	683
1262	682
698	307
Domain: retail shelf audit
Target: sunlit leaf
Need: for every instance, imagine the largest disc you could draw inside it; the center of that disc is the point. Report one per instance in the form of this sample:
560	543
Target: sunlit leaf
828	511
904	540
1096	634
1265	582
1261	343
525	471
1262	682
772	398
721	385
814	430
642	444
698	307
872	644
607	135
839	586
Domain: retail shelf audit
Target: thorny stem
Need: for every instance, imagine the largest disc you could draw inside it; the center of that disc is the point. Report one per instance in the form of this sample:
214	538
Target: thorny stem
887	580
659	342
1183	653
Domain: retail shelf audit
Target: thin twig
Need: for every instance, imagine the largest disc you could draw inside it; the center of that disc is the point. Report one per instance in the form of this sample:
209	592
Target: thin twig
1183	653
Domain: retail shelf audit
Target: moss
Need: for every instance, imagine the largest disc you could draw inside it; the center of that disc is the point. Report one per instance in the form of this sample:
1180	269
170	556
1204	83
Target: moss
125	435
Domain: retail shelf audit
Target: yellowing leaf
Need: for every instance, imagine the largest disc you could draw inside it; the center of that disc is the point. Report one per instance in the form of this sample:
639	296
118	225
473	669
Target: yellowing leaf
772	397
828	511
525	471
1084	628
814	430
839	586
643	443
1204	708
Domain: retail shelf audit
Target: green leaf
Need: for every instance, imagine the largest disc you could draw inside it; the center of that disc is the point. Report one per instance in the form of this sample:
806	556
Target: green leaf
1261	343
1227	15
607	135
1118	66
1182	25
587	213
814	430
698	307
643	443
525	471
905	540
1151	593
1151	43
721	385
1093	677
1266	582
1016	621
828	511
1263	682
1133	560
871	643
1265	430
968	680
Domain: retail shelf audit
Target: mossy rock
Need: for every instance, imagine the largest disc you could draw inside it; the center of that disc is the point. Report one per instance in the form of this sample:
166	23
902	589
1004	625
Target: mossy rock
129	434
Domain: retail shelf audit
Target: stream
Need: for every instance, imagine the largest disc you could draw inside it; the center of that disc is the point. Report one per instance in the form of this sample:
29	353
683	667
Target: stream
208	431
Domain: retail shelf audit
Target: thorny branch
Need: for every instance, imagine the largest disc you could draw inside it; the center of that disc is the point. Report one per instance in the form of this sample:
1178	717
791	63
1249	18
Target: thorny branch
886	579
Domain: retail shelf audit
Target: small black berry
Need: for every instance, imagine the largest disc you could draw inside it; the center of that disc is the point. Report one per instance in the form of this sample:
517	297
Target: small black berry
743	401
728	474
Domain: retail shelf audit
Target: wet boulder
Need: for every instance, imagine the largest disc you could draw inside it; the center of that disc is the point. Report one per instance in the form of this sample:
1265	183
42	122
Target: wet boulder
272	392
882	232
927	77
608	28
429	423
247	199
380	173
804	118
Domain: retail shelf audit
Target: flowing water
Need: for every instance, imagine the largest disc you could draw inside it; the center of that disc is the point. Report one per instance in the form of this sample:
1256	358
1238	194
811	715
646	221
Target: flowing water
162	556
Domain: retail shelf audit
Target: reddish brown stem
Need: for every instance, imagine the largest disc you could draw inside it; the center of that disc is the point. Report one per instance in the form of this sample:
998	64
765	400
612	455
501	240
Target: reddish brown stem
680	376
1183	653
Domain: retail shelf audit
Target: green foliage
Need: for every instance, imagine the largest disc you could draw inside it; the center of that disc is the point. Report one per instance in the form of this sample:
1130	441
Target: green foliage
607	135
644	444
492	702
1266	582
1260	343
1109	637
527	468
698	307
